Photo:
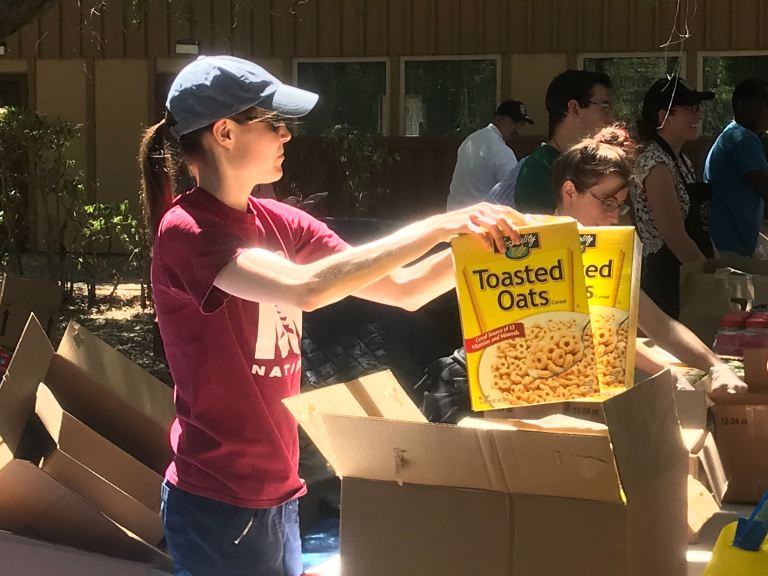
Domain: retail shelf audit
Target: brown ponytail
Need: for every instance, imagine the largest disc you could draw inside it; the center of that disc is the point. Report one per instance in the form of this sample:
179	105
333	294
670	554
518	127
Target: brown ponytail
157	176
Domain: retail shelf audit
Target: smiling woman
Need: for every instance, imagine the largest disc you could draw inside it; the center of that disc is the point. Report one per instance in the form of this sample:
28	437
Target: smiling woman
671	208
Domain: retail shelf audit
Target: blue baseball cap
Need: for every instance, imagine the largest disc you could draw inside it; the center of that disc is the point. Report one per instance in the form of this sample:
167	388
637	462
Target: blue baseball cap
215	87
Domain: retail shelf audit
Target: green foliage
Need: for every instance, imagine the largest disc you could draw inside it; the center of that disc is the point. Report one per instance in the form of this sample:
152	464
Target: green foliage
360	157
39	184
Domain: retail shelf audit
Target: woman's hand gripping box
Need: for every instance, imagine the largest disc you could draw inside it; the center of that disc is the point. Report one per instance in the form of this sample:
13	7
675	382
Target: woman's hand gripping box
525	317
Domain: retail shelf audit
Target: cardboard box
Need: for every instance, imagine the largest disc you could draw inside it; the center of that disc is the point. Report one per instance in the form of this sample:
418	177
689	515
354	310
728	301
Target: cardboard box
741	432
20	297
612	257
59	479
27	557
421	498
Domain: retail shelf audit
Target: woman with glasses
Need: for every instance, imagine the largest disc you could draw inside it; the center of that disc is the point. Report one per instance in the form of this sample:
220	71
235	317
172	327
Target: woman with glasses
591	181
670	205
231	275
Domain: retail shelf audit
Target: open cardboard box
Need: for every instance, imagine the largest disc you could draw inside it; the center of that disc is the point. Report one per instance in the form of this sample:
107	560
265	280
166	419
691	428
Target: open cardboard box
62	479
20	297
27	557
421	498
741	432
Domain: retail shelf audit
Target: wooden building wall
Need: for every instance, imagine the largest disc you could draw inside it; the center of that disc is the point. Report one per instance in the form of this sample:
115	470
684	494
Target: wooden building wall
96	63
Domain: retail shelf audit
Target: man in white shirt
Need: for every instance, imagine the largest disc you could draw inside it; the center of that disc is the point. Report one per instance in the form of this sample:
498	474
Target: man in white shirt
484	157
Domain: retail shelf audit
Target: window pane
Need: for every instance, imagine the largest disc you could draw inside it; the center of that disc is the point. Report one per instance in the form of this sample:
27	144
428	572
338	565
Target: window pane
13	91
721	74
351	93
448	97
631	77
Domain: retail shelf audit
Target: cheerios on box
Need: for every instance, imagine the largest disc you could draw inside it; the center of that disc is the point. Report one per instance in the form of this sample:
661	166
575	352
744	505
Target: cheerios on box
612	257
525	317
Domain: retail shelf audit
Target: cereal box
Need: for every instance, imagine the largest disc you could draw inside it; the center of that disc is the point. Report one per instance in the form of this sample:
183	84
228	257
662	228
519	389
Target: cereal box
612	257
525	317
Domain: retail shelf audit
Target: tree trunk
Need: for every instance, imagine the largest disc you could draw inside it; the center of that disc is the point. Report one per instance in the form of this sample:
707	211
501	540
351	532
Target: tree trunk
15	13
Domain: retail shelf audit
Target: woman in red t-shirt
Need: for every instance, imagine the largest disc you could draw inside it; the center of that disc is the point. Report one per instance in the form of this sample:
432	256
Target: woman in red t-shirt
231	275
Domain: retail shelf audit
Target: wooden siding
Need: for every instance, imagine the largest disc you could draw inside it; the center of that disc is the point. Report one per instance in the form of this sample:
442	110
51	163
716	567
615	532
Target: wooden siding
326	28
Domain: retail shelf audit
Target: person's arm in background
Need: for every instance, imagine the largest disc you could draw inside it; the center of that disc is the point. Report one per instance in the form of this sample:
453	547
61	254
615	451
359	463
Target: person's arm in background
664	204
678	340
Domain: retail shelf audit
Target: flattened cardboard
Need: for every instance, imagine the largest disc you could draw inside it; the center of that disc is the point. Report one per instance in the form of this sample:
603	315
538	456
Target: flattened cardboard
28	557
701	507
35	505
120	486
25	487
393	470
20	297
119	400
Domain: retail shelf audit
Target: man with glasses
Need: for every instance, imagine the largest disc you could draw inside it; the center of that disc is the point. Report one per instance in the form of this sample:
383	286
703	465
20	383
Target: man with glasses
578	105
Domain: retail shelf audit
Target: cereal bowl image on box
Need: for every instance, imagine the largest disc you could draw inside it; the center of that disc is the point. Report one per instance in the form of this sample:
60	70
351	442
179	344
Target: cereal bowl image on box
525	317
550	361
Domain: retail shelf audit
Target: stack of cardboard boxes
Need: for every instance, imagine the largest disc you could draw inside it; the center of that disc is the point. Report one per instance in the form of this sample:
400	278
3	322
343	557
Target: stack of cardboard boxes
83	445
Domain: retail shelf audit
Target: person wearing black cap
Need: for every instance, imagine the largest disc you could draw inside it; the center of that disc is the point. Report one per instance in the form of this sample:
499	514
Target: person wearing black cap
231	275
737	169
484	158
670	206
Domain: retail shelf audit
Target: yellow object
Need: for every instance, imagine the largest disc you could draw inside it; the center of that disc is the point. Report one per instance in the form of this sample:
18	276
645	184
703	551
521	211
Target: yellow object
727	560
525	317
612	258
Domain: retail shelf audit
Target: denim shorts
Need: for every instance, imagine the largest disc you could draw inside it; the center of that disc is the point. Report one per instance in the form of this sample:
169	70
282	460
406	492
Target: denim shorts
210	538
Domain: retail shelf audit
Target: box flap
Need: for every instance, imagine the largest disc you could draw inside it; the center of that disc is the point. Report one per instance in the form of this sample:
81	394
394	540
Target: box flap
42	293
113	396
307	407
97	454
739	399
380	394
35	505
756	370
26	370
645	433
716	480
691	408
514	461
409	452
558	464
701	505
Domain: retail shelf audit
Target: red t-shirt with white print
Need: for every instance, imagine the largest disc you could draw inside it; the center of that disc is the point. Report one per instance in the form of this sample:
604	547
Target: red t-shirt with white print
232	360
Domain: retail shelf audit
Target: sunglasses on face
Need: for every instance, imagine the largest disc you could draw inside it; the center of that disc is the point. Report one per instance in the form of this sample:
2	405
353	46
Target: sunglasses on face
273	121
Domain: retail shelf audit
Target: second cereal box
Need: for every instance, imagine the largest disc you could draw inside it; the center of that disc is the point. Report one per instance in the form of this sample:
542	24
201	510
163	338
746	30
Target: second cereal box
525	318
612	259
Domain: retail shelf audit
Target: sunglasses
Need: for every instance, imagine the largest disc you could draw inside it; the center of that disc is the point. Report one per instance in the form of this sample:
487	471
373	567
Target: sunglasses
274	121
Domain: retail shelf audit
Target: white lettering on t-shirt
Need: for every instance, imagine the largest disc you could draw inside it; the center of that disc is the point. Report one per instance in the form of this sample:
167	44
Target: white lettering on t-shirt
278	331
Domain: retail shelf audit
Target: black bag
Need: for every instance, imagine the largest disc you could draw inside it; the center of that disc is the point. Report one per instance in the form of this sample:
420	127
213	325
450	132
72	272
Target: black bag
444	389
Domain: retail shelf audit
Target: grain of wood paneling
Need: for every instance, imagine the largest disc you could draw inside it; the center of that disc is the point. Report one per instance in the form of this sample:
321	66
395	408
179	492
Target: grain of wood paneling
448	37
113	26
261	28
375	26
398	27
467	23
493	18
718	24
157	28
282	22
201	24
746	24
50	31
592	27
421	27
242	19
328	27
92	28
135	32
70	29
352	27
542	15
29	37
617	25
221	26
517	29
568	27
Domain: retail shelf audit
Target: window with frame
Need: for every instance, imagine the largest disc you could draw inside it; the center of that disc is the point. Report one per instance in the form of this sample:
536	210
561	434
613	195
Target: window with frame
448	97
351	92
631	76
13	90
721	73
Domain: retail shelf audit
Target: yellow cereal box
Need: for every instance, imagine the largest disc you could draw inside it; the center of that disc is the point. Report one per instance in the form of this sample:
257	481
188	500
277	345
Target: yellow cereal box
525	317
612	257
